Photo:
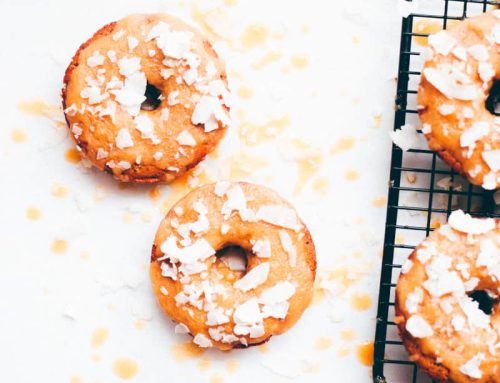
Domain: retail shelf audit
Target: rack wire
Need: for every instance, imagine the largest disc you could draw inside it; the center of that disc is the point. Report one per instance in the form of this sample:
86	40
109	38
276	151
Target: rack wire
423	190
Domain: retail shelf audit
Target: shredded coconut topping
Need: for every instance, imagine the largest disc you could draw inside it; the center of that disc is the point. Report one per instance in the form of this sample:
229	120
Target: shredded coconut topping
464	223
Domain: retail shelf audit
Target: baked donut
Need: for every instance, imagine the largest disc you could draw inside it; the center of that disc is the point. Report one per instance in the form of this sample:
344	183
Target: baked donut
462	65
221	305
445	330
146	98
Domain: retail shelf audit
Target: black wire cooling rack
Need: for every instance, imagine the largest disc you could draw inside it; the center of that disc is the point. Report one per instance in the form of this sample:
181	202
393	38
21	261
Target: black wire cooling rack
423	190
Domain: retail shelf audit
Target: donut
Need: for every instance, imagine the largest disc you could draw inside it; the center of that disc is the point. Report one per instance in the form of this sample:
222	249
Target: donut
460	70
146	98
223	304
448	301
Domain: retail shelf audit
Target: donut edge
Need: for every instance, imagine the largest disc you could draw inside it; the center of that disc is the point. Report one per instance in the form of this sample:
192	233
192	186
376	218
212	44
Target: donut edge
416	354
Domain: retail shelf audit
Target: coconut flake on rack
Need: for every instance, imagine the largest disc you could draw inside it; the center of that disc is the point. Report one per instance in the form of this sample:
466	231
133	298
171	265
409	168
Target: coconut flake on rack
446	109
279	215
492	158
253	278
451	82
442	42
460	52
440	280
406	137
413	299
464	223
472	367
418	327
475	317
488	257
486	71
479	52
477	131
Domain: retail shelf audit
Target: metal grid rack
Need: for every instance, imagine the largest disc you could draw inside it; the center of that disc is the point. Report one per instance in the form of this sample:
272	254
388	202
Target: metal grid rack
423	190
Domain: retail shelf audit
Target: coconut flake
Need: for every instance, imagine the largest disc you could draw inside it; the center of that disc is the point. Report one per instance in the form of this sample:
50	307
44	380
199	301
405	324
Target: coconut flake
262	248
474	133
413	299
289	247
479	52
202	341
185	138
253	278
486	71
279	215
95	60
406	137
280	292
492	158
181	328
442	42
458	322
132	43
464	223
451	83
216	317
418	327
101	154
489	257
248	312
123	139
472	367
446	109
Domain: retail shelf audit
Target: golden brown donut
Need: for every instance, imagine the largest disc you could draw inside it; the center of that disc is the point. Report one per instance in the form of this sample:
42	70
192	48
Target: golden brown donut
442	327
462	65
218	306
104	94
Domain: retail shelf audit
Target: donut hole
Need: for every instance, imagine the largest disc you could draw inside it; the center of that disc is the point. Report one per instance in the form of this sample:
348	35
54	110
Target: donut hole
493	100
232	261
485	300
153	98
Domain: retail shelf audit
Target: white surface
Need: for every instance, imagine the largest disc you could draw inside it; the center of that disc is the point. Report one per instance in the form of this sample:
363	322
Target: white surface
345	84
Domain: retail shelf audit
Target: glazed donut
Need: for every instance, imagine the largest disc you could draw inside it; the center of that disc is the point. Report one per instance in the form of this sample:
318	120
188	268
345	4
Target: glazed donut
146	98
443	328
217	304
461	68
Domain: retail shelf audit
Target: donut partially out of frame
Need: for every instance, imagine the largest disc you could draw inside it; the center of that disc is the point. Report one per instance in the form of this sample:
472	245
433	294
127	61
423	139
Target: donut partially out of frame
462	66
440	320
